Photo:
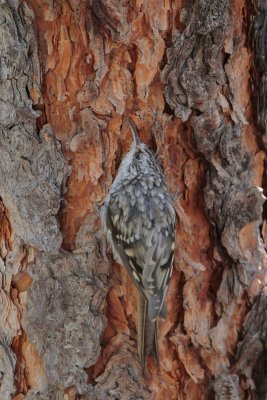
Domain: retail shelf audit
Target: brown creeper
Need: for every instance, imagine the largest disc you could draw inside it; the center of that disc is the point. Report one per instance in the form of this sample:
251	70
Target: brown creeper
139	220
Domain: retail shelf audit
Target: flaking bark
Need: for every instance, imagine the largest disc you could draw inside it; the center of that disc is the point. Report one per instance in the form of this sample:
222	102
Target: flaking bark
70	72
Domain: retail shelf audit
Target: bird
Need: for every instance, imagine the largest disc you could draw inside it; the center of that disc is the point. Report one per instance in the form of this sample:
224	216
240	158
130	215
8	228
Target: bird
138	217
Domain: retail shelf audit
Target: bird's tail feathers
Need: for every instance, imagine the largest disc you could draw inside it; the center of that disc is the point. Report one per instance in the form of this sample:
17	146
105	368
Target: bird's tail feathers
156	307
163	311
147	331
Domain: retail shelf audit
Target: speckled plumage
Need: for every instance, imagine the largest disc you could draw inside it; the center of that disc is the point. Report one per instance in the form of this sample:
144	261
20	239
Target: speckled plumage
139	220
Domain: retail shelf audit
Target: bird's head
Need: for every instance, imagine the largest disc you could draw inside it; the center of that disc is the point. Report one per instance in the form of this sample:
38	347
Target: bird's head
141	158
138	161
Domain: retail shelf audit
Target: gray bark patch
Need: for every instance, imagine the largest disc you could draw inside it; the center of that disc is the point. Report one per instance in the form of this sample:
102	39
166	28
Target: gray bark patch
32	166
67	324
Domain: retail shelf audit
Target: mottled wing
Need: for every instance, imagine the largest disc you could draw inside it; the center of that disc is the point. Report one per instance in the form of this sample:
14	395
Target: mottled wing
140	219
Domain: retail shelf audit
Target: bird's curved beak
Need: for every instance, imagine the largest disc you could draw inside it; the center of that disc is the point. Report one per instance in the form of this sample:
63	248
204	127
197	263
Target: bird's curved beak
134	131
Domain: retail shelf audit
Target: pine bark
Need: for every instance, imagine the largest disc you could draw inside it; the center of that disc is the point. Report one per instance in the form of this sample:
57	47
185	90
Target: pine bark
192	75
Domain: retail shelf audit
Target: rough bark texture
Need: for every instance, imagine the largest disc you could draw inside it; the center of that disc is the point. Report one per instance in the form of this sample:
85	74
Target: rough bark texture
193	77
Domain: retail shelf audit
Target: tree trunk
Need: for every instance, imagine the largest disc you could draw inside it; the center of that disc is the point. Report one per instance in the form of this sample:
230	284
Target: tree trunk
193	77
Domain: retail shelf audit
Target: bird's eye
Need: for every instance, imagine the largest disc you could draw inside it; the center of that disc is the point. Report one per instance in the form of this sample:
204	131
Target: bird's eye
137	156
